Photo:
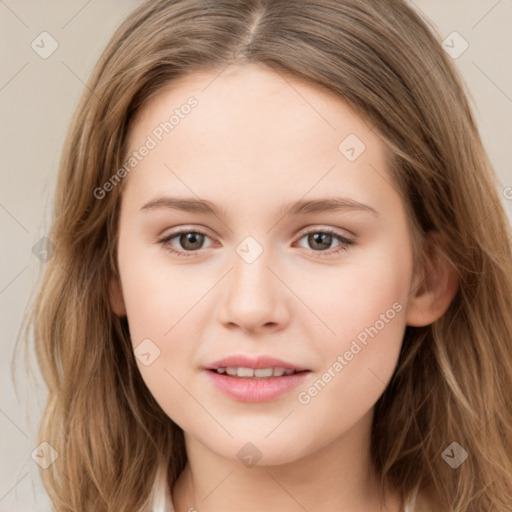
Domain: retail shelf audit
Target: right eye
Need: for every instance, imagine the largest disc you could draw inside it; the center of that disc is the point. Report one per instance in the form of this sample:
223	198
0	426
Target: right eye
190	240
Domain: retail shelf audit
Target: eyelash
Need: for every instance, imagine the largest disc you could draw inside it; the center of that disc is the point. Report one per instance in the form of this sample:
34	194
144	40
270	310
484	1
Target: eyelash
345	242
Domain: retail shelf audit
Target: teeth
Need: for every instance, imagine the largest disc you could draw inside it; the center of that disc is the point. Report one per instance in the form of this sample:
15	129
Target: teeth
258	372
264	372
245	372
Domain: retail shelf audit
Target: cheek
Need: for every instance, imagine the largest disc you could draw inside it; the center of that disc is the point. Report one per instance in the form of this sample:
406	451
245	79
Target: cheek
371	289
161	300
366	309
336	399
367	317
357	366
158	294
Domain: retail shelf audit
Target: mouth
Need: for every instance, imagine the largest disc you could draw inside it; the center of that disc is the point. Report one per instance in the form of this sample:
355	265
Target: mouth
255	373
254	366
249	379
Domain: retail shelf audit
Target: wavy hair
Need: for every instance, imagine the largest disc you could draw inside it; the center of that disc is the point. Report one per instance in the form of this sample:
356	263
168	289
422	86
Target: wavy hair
117	449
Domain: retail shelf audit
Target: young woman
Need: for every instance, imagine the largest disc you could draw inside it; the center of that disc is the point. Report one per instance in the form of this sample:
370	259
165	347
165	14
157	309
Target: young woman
282	276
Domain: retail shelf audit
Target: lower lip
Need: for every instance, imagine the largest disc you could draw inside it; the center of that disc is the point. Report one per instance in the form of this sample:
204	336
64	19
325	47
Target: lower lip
248	389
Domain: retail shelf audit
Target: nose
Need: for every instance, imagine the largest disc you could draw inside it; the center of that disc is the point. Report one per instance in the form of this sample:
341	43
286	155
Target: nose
253	298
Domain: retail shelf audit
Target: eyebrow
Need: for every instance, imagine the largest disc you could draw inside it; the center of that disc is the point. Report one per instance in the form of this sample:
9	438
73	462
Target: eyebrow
302	206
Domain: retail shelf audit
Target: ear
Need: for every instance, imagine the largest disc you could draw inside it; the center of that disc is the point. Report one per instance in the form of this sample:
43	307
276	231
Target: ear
434	284
116	296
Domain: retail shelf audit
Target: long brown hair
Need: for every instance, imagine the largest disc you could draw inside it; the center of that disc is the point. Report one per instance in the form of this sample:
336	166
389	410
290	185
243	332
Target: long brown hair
117	449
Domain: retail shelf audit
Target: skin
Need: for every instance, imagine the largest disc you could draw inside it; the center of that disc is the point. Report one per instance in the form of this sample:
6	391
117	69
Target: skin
255	142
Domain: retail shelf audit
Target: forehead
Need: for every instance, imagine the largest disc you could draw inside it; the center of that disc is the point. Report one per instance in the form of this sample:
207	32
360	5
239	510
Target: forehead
251	103
251	131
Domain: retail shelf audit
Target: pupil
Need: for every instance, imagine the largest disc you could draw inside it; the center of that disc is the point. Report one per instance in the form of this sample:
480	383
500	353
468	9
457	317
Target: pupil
189	240
319	238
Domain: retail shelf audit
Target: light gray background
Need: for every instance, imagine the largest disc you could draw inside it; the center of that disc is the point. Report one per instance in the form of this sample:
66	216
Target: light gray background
37	99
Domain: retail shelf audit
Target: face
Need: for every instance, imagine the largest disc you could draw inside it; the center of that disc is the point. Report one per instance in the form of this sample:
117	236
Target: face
322	286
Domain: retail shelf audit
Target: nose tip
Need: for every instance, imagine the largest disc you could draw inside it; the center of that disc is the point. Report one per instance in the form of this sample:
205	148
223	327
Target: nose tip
253	298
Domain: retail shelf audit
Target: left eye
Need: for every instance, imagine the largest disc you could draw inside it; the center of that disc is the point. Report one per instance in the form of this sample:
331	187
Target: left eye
192	241
325	238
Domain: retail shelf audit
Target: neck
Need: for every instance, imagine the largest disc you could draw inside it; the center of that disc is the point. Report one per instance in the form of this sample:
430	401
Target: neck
337	477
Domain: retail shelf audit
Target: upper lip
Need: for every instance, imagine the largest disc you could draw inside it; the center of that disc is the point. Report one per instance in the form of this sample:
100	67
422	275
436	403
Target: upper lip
242	361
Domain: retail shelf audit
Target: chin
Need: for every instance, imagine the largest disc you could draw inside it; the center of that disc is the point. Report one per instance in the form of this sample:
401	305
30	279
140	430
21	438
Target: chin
254	449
